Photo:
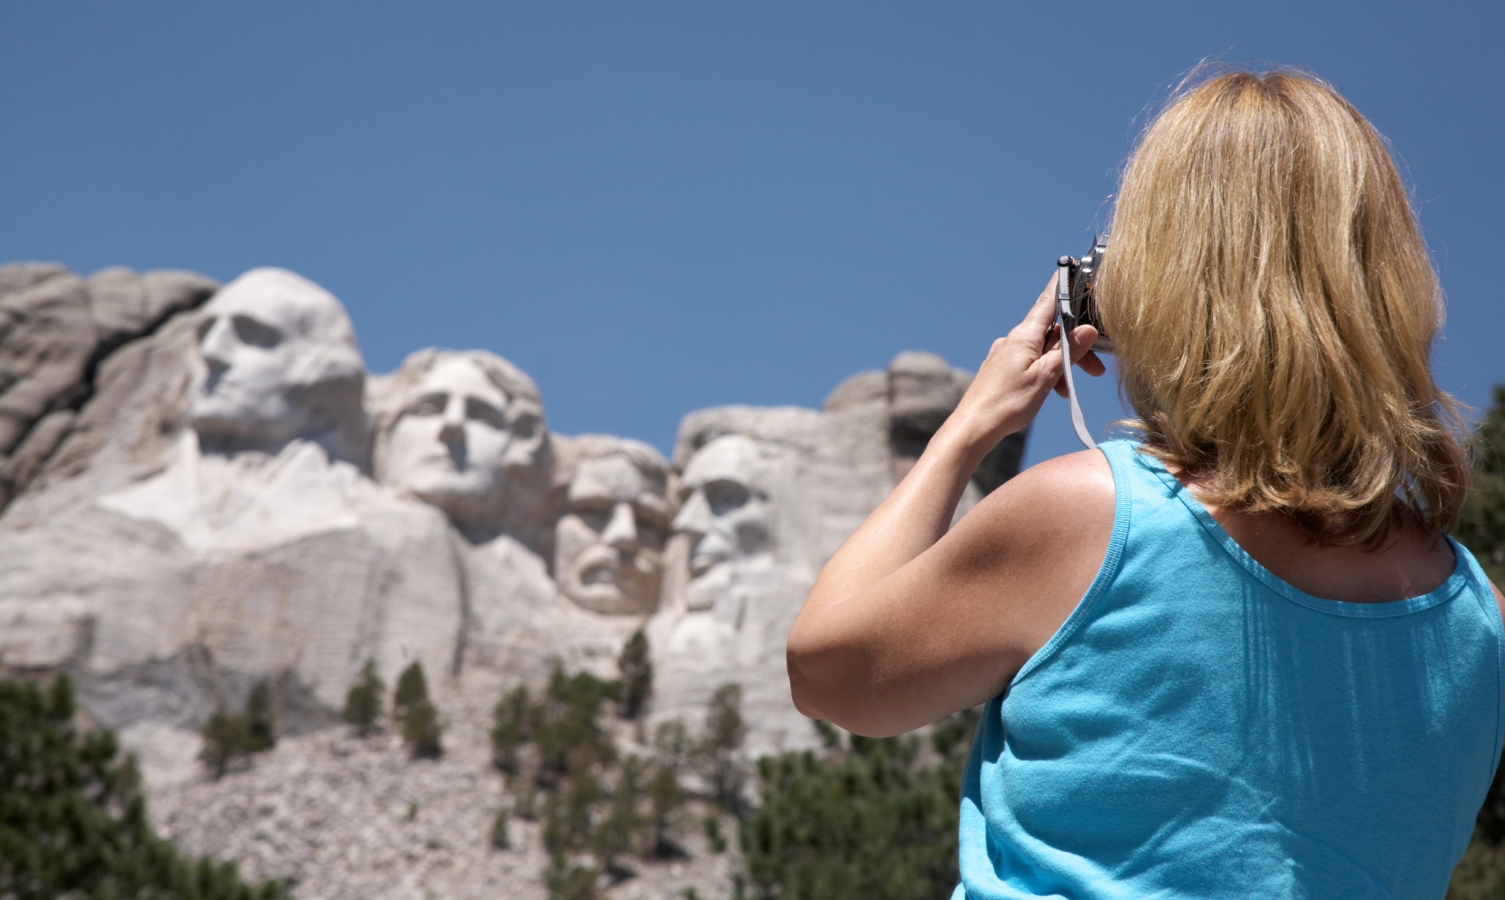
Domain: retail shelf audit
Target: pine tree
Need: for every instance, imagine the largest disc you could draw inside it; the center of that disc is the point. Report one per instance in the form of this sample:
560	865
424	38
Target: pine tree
261	720
596	811
412	688
230	736
499	837
1482	528
420	730
417	716
567	880
72	820
665	797
511	728
865	819
1481	874
363	701
622	831
636	671
566	723
716	752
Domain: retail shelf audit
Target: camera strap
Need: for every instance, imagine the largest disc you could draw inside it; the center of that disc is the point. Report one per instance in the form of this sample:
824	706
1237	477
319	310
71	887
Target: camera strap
1063	316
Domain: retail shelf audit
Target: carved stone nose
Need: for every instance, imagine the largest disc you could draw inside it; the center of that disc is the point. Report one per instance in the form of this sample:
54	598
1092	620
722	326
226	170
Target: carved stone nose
218	345
453	428
621	530
695	518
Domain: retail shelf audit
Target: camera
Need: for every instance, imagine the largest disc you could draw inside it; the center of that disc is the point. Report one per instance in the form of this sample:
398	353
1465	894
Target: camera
1074	295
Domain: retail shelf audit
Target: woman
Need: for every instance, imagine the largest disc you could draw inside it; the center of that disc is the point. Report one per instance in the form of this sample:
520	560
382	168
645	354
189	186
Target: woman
1237	658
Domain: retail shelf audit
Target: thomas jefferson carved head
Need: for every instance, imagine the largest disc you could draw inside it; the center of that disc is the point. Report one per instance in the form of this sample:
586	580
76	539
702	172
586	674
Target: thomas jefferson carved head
465	432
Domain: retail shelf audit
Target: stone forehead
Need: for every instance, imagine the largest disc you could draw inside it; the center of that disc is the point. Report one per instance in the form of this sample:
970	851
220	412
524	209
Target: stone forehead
460	374
614	478
509	378
731	457
288	300
604	446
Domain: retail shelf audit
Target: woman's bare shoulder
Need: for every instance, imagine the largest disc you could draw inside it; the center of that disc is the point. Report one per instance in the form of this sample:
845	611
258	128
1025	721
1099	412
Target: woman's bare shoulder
1057	499
1026	555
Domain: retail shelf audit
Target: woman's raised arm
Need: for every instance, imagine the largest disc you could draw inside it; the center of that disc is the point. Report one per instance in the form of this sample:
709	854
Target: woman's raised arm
907	622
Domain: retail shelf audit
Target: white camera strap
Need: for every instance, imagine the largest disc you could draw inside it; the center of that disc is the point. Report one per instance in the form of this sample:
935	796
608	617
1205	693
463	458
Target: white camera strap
1063	314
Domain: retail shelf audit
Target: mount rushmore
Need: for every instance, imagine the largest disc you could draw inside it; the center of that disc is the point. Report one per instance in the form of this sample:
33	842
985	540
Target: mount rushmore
202	488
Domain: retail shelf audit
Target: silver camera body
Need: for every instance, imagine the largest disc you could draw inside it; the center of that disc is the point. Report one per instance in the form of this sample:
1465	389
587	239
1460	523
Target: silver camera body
1074	294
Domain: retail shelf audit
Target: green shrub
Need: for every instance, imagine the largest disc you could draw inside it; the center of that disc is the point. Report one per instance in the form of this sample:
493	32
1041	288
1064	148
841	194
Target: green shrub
72	820
717	750
420	730
363	701
868	820
714	838
665	797
512	728
231	736
1481	874
1482	526
411	688
261	721
624	830
525	801
636	676
597	811
568	880
566	723
499	838
226	738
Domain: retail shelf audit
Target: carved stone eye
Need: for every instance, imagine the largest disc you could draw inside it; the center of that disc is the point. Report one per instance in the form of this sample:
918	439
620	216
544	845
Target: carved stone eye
593	511
427	405
257	334
723	496
525	426
651	532
484	412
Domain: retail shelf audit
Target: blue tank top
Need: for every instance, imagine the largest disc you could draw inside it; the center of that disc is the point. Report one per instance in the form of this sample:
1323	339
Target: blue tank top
1199	728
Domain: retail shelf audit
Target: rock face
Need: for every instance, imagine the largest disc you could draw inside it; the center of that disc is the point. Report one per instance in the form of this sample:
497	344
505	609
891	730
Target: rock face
55	330
205	490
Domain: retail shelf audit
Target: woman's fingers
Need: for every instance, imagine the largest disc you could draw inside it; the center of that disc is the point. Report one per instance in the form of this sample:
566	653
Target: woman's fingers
1082	339
1019	371
1092	364
1040	319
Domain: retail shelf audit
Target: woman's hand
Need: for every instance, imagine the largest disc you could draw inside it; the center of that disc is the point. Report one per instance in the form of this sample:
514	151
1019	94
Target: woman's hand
907	622
1013	381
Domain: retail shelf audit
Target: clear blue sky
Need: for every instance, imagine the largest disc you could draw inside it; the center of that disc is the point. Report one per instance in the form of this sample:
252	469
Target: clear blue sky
658	207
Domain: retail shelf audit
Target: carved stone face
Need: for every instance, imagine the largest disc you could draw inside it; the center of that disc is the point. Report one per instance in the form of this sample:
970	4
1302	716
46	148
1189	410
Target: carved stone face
609	544
454	437
266	343
725	512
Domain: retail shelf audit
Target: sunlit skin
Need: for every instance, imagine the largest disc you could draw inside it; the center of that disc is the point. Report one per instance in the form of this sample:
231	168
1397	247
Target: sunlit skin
909	622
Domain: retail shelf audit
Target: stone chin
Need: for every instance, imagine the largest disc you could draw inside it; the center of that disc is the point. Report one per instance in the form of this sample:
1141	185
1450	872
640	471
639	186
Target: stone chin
438	483
230	410
219	423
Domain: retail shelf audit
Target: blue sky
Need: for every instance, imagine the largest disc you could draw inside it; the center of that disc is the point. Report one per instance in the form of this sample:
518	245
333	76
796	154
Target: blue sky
658	207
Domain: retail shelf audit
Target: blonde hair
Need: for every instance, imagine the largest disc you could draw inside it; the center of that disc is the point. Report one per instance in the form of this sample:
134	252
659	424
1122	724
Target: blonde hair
1273	309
